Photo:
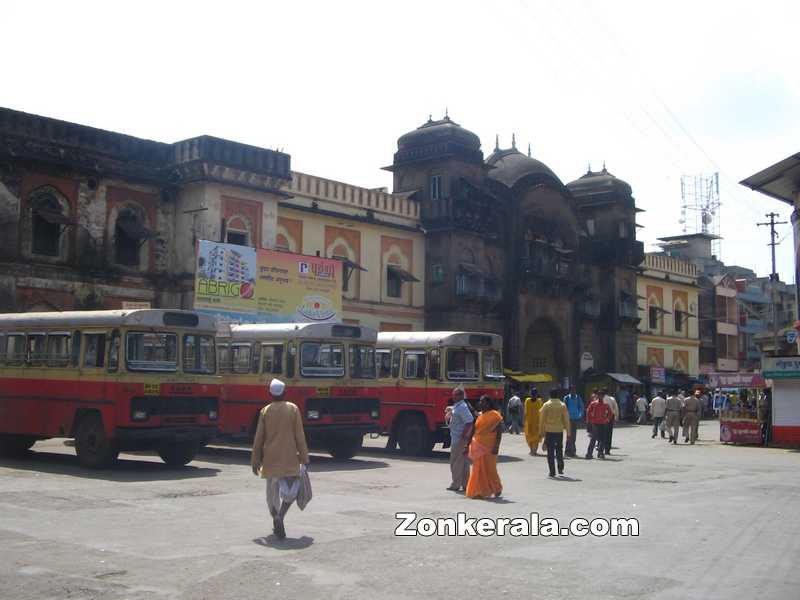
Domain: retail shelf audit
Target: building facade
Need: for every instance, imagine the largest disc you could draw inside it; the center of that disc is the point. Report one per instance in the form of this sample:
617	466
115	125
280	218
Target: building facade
512	250
92	219
669	338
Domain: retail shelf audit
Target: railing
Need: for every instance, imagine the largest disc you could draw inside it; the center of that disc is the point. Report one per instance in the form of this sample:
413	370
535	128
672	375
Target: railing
628	309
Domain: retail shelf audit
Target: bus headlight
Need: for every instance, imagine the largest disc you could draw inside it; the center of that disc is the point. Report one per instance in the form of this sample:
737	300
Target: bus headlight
312	414
212	415
139	415
375	413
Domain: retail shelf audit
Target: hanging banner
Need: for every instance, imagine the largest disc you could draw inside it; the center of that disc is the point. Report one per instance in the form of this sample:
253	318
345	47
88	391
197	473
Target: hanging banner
239	284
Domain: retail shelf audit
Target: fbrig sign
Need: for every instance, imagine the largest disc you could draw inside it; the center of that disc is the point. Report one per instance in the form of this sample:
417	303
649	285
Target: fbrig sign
244	285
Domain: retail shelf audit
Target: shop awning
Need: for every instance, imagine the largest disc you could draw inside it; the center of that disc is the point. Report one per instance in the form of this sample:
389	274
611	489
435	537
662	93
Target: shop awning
404	276
528	377
624	378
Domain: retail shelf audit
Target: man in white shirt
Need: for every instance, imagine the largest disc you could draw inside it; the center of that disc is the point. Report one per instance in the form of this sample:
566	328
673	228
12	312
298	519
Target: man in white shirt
612	402
658	408
515	413
641	408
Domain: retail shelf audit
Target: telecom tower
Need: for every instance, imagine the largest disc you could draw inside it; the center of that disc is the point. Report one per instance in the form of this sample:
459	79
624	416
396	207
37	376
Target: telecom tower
700	211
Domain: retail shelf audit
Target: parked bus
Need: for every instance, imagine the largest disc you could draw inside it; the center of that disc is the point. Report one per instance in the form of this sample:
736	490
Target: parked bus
329	371
111	379
417	372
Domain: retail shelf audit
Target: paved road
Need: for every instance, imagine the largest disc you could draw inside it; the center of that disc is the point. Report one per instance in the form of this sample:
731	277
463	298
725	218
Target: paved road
715	522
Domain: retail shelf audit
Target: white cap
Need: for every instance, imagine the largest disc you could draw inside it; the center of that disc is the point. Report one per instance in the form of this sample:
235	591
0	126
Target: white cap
276	387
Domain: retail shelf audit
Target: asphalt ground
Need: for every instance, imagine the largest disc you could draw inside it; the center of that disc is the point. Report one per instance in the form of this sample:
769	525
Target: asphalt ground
715	521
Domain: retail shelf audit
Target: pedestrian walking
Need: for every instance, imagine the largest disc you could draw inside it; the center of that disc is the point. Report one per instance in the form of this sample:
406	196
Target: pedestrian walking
484	481
691	416
598	415
279	454
575	409
674	406
533	405
515	413
612	403
461	421
641	408
658	408
553	423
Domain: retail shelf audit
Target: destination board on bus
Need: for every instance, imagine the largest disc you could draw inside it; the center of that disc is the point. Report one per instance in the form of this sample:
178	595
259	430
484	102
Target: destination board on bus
239	284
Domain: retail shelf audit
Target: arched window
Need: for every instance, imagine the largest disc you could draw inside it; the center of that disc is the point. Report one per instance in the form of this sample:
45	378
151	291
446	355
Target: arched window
48	221
130	235
282	243
238	231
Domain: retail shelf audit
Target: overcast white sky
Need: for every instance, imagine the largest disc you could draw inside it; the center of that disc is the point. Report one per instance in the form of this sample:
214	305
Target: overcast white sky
336	83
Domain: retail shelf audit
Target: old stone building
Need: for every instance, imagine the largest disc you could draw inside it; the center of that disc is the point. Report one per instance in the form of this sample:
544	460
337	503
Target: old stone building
513	250
96	219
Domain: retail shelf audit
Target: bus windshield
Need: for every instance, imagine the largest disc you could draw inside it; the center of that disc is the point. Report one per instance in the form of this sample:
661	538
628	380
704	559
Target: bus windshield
492	365
152	351
319	359
198	354
362	361
462	365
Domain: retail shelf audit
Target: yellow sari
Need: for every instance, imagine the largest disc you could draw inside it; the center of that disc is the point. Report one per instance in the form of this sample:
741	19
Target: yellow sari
532	408
484	481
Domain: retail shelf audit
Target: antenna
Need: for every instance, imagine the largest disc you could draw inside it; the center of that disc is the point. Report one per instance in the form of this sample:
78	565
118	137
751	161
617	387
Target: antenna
700	207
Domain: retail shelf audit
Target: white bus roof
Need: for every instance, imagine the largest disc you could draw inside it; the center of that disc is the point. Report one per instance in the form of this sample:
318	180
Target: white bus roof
275	331
425	339
146	317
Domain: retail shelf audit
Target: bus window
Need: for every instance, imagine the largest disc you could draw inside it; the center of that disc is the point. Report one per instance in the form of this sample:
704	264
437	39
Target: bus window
435	363
362	361
198	354
75	355
94	355
37	349
15	349
240	358
414	364
321	359
462	365
492	365
152	351
3	348
384	364
272	355
256	358
113	352
396	362
58	349
224	354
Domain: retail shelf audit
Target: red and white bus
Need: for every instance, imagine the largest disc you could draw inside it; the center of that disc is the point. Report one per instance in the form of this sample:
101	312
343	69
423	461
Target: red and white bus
329	371
417	372
112	379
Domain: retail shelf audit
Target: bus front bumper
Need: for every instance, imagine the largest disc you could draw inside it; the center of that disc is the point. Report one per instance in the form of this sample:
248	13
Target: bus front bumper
131	437
345	428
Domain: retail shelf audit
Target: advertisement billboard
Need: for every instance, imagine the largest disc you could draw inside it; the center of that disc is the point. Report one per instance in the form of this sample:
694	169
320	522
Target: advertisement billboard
243	285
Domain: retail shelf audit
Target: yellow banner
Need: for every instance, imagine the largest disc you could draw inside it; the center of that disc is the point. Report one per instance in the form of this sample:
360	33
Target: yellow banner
242	284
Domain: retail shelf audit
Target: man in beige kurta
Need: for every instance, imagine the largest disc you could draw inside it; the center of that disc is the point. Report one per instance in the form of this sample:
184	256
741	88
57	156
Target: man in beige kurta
691	416
279	449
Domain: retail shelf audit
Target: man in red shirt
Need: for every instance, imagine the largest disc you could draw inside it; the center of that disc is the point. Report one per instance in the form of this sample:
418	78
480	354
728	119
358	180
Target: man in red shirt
598	416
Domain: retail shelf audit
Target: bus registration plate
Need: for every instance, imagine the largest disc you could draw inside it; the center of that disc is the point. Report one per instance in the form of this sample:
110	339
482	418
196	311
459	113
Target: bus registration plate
152	389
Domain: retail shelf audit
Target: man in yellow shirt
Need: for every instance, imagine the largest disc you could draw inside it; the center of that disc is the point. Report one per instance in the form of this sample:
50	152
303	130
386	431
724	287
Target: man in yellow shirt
553	422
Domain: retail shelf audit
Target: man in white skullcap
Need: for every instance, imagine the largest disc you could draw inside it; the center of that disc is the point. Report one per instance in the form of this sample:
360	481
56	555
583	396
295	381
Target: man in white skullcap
279	449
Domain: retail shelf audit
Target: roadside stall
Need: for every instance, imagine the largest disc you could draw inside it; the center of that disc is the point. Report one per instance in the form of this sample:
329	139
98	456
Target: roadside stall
620	385
736	396
784	414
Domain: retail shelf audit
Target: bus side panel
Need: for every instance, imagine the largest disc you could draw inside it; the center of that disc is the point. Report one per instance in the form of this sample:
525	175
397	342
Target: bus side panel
242	399
399	396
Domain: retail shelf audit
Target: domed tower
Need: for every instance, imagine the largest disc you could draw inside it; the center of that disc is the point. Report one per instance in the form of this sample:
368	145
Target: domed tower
608	212
441	165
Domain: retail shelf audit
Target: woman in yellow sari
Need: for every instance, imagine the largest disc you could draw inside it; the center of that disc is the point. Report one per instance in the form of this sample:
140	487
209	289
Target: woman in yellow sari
484	482
533	405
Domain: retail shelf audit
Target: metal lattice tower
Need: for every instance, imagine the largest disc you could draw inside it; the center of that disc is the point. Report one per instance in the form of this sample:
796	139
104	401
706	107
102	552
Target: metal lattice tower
700	208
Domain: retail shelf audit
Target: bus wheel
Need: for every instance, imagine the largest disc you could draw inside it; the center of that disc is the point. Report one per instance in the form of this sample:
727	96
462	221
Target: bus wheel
178	454
414	437
93	447
343	447
15	445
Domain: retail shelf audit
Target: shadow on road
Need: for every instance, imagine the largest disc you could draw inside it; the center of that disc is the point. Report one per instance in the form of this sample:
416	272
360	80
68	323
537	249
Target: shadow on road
433	456
123	471
286	544
241	456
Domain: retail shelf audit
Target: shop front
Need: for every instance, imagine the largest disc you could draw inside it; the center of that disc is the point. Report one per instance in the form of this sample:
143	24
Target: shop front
784	374
739	398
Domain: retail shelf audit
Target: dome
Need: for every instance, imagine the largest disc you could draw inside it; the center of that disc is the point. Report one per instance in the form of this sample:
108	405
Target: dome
438	139
511	166
599	182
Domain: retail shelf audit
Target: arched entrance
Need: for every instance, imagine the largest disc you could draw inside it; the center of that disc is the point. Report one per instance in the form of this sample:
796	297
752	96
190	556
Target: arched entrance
543	350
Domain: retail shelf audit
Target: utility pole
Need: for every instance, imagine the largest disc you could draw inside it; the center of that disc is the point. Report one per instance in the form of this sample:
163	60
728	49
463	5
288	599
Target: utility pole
774	276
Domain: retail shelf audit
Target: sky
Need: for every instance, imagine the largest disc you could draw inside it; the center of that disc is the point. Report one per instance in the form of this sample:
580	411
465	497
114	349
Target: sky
653	90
